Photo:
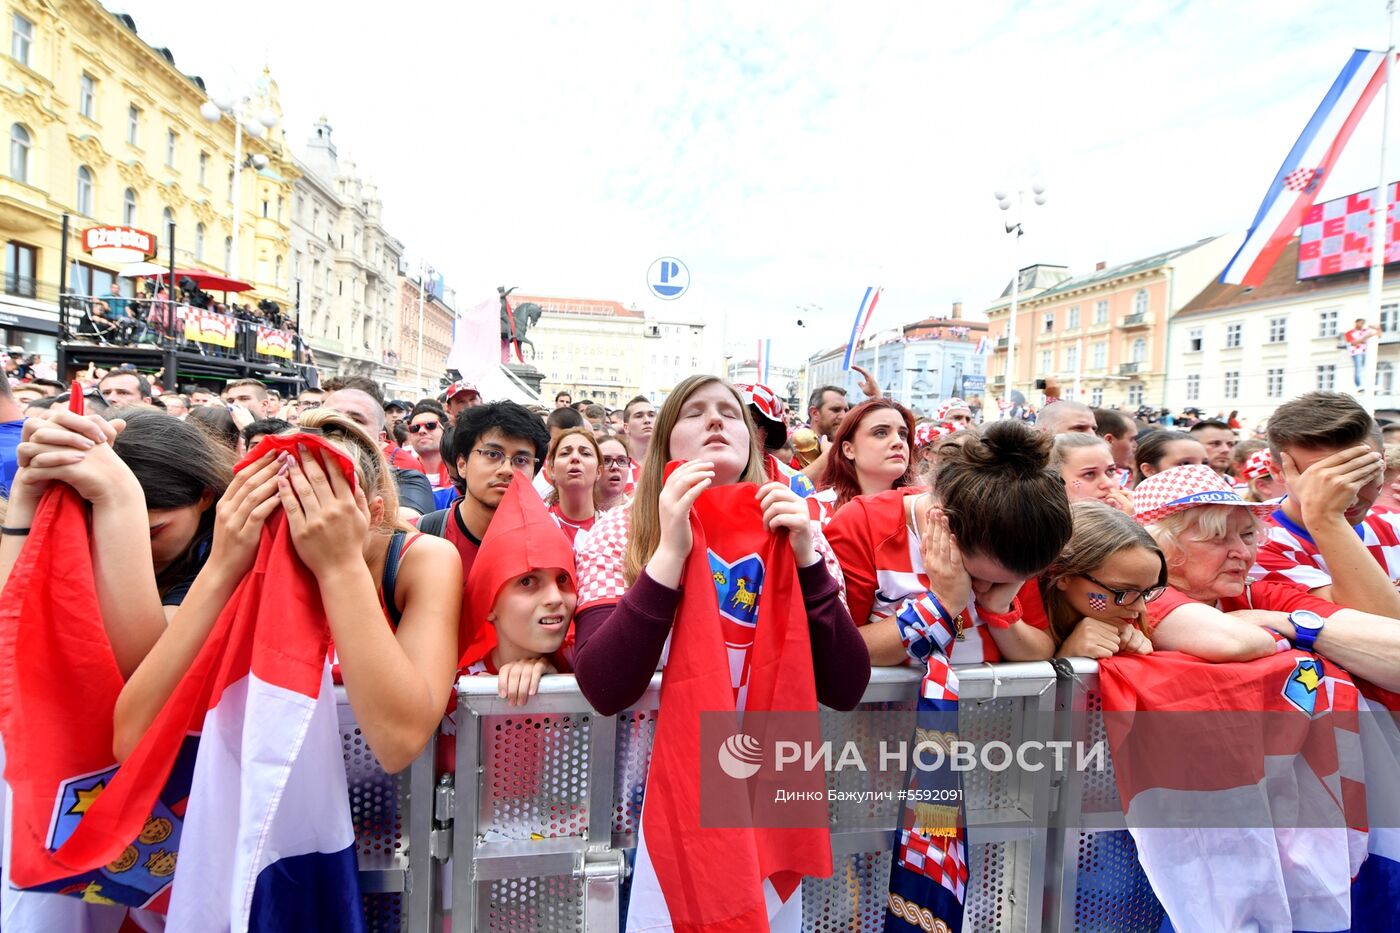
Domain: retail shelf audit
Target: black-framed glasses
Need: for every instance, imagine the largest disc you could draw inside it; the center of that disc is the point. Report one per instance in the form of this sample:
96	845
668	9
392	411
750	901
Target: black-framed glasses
616	462
1128	597
497	457
424	426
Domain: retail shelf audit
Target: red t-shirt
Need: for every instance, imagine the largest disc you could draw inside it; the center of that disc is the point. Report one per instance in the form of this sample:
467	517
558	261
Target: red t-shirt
402	457
471	644
1356	339
1032	605
570	527
1271	595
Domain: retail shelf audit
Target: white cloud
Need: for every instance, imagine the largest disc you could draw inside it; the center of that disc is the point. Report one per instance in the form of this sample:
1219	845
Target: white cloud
793	153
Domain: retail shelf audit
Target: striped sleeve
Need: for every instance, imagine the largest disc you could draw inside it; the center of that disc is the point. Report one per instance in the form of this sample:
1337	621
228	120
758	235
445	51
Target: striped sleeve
1285	559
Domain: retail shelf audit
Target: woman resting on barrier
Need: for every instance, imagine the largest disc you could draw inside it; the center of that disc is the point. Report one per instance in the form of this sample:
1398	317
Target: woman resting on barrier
869	454
524	582
1085	463
1094	595
392	598
152	511
762	626
571	466
1162	449
995	518
1211	609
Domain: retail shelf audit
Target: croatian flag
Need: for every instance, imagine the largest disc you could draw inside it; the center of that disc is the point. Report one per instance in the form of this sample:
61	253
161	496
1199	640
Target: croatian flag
984	345
1376	889
1309	162
257	820
1243	787
765	349
863	313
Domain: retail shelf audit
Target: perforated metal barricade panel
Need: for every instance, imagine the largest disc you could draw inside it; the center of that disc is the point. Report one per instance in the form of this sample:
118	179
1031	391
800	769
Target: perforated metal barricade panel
852	899
538	828
636	729
548	904
538	767
378	808
1097	883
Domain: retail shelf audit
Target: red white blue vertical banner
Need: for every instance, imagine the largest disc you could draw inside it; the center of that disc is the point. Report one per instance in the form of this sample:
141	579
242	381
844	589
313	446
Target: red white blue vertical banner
765	349
1307	166
863	315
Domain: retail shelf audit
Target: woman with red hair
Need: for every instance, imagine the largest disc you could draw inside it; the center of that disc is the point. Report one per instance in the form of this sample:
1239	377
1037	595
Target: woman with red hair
870	454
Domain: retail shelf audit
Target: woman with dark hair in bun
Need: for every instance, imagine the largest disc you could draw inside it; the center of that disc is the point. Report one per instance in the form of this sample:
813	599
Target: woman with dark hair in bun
957	555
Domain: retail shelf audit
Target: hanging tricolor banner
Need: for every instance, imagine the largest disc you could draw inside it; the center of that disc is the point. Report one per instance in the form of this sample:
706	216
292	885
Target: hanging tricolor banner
1309	162
867	308
765	349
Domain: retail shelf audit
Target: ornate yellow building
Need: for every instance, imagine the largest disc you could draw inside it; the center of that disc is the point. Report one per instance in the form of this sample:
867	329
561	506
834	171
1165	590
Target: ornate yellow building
102	126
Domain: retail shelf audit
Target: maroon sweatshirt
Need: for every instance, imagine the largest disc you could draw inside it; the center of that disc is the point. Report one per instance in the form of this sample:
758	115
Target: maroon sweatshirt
618	646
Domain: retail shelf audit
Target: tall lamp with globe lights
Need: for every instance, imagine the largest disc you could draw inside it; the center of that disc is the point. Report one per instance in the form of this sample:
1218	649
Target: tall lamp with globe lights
256	125
1037	193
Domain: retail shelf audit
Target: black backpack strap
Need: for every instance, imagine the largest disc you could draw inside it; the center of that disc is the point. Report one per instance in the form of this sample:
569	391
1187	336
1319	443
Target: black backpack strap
391	577
435	523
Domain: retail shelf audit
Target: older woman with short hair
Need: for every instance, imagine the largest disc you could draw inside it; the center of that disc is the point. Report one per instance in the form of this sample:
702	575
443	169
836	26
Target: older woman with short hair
1211	609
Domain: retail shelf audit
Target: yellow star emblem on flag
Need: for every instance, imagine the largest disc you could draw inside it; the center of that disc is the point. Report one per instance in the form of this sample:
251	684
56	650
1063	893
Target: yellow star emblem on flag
86	798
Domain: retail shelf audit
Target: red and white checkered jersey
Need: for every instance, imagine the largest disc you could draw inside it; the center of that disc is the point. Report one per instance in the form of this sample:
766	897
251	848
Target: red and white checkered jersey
601	554
1287	555
884	570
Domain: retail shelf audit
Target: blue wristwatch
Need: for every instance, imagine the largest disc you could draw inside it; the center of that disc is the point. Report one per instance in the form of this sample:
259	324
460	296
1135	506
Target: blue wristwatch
1307	625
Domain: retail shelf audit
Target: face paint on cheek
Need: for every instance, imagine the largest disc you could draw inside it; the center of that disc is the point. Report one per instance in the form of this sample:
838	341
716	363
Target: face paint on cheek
1098	602
1076	484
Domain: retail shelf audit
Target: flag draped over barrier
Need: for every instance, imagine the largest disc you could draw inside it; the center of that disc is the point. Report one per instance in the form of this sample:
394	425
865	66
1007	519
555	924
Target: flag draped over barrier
267	841
1309	162
1242	785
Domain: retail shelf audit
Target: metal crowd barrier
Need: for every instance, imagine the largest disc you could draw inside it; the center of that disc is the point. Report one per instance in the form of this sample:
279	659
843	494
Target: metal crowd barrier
537	829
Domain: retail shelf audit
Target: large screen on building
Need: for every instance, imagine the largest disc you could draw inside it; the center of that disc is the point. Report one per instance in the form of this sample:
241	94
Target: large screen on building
1336	235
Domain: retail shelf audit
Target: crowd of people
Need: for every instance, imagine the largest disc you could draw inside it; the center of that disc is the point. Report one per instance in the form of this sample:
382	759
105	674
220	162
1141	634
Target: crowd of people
478	537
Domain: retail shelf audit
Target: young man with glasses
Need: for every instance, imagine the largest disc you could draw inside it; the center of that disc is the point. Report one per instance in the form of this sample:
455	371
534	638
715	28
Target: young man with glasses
489	443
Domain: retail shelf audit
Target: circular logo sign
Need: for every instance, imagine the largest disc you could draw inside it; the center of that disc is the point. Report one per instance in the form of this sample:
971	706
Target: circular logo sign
668	278
740	756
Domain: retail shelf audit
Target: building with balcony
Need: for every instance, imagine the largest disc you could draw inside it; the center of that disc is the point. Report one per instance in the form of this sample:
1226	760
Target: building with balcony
105	128
917	364
1101	335
1251	349
345	265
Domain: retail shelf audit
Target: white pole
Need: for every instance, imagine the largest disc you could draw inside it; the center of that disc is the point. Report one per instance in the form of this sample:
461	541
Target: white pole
1015	306
237	193
1380	209
422	286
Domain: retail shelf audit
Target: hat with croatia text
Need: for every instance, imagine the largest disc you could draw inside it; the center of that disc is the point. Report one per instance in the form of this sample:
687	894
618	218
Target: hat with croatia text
1186	487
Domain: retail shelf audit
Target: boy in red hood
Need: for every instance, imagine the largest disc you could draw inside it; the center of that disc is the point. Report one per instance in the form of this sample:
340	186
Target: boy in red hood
523	584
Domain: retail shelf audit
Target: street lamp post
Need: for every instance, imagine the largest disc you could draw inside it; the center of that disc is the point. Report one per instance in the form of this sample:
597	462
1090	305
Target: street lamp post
1004	202
241	113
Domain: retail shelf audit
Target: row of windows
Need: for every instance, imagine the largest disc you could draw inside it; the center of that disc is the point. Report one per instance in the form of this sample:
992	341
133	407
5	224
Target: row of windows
1140	306
1327	326
1324	380
1098	359
1137	393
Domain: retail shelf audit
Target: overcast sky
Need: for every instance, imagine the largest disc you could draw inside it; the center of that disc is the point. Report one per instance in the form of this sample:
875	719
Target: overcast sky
793	154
